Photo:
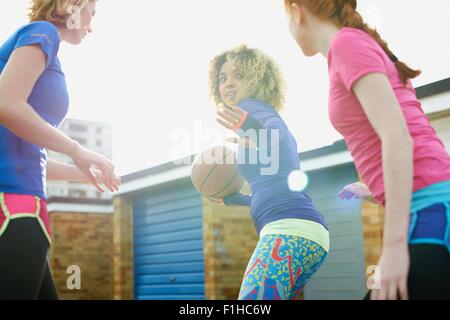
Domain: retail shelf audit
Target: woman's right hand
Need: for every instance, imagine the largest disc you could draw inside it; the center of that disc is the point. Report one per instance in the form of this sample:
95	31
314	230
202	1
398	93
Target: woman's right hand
356	190
84	159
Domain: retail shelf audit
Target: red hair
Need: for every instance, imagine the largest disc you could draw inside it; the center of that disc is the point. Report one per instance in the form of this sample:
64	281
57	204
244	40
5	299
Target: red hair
344	14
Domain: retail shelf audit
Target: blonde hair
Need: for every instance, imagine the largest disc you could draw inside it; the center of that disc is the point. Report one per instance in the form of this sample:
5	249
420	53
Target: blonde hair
262	75
52	10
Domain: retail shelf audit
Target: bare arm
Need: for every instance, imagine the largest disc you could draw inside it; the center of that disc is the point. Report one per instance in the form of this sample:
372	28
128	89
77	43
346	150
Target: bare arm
59	171
17	80
384	113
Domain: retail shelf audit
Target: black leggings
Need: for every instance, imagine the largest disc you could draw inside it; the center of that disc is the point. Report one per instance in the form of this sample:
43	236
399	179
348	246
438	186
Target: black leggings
24	269
429	274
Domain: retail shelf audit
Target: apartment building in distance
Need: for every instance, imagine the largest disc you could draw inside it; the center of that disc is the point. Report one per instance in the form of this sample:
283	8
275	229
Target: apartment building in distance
95	136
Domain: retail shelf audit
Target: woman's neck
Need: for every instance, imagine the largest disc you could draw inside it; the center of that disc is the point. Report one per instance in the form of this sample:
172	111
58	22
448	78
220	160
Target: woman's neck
62	32
324	35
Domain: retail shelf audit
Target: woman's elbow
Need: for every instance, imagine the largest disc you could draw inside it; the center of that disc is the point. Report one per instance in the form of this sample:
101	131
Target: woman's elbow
7	108
4	109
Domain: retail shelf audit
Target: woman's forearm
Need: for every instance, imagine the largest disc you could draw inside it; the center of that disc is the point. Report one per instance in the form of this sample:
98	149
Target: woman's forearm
24	122
238	199
398	181
59	171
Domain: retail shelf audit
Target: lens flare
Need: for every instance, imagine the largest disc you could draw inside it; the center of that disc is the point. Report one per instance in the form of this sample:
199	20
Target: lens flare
298	181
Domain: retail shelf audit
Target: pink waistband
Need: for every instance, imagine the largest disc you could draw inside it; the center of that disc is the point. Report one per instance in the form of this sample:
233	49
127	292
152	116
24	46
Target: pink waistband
15	206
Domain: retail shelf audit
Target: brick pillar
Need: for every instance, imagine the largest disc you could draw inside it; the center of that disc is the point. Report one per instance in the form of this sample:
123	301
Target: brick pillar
373	225
123	285
229	240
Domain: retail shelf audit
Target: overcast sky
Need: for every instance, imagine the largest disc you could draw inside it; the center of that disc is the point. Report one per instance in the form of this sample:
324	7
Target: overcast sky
145	67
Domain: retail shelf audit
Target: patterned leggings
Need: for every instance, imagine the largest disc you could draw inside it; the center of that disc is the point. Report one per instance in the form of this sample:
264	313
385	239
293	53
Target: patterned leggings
280	268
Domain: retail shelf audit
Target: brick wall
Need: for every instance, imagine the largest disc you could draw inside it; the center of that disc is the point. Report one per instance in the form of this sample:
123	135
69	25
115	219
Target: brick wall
229	241
101	246
84	240
123	273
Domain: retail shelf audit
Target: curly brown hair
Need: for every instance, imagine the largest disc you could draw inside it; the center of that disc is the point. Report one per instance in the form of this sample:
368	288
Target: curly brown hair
264	80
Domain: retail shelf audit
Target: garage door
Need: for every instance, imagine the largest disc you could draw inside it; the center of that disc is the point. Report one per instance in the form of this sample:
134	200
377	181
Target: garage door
342	276
168	244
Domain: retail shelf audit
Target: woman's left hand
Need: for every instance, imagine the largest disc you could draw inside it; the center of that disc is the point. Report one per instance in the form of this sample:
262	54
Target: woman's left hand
230	118
116	181
357	190
393	271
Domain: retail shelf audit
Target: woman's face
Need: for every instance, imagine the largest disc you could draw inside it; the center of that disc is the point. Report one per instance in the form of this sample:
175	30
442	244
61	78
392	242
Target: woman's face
231	84
299	29
78	27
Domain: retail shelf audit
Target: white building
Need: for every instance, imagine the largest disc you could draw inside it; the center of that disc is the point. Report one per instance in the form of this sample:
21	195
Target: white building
95	136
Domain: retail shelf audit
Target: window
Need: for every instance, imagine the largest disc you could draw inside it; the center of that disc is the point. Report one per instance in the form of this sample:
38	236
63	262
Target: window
81	141
77	127
77	193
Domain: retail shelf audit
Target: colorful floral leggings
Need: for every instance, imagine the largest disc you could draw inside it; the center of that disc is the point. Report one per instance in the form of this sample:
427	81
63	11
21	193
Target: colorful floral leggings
280	268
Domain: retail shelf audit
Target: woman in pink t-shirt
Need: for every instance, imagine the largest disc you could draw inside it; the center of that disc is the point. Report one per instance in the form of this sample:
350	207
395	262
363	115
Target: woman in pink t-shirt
397	153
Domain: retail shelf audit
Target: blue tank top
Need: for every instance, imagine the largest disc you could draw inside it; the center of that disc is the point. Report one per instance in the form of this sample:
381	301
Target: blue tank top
271	199
22	164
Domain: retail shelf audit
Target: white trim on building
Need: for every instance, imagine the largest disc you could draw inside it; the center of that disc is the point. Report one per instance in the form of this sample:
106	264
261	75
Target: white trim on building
326	161
80	208
436	103
432	102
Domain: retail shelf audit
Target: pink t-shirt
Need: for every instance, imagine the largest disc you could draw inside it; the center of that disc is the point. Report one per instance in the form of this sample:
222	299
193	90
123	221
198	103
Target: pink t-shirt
354	54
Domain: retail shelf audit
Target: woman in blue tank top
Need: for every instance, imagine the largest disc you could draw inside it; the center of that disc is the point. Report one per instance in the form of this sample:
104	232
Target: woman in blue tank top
294	239
33	102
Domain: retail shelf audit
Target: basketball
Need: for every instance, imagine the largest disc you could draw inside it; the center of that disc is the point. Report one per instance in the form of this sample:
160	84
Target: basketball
214	173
